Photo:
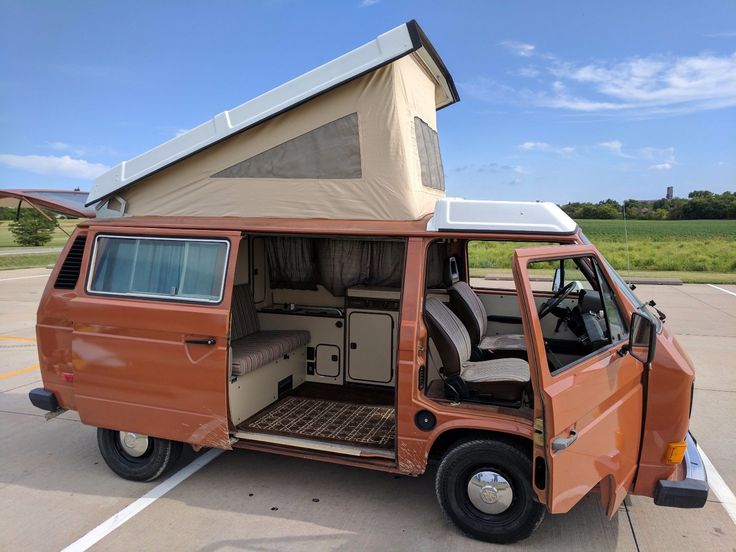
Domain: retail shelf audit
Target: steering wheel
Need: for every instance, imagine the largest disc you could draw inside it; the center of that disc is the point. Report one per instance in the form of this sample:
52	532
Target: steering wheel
546	307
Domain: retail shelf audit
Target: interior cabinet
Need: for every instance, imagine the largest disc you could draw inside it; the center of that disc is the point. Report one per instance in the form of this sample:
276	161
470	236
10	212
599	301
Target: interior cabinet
325	347
372	320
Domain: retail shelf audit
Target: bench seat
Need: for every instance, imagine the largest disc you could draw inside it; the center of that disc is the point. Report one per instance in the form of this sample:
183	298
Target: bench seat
260	348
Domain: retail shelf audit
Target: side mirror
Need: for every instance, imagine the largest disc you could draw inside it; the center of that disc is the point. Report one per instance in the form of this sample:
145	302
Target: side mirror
557	280
642	338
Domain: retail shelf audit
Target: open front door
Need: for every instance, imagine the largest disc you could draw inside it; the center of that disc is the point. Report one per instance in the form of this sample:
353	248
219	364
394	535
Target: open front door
588	393
151	326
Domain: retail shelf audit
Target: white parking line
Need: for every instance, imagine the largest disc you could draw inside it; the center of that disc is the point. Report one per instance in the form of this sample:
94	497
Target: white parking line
24	277
719	487
115	521
723	290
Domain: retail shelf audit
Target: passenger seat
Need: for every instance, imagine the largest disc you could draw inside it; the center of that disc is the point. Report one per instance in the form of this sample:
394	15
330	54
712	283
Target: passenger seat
469	308
504	378
252	348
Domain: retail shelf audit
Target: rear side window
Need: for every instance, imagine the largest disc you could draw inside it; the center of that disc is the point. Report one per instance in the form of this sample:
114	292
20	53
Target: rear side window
163	268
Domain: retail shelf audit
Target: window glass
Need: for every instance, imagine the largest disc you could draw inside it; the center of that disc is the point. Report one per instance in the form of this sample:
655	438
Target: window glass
430	159
616	325
329	151
159	267
490	263
577	308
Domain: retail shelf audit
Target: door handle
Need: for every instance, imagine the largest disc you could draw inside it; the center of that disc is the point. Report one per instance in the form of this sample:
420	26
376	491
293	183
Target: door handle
206	341
561	443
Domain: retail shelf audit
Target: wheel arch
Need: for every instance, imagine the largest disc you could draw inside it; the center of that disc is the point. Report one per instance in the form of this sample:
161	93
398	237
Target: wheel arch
450	437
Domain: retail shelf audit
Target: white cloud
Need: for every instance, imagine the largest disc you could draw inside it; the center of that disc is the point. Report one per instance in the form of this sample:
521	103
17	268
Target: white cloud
614	145
522	49
662	158
529	72
366	3
52	165
544	146
641	85
683	83
181	131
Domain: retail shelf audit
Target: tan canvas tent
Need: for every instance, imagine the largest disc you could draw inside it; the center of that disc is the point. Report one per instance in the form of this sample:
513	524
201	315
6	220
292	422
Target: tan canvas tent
353	139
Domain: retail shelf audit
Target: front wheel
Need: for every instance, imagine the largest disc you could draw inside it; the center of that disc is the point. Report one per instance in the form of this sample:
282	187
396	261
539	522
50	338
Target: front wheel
484	487
135	456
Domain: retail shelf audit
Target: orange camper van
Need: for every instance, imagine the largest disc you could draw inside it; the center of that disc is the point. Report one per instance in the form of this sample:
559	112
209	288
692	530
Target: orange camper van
289	277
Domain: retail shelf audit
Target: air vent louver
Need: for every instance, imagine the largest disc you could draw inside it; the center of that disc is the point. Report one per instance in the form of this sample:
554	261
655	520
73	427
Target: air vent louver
69	273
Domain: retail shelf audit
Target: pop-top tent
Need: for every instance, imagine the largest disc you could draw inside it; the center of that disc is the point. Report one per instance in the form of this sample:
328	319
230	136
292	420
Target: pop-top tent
353	139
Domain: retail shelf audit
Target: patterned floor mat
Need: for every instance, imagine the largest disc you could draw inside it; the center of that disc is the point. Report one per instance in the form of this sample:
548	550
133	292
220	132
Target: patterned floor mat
330	420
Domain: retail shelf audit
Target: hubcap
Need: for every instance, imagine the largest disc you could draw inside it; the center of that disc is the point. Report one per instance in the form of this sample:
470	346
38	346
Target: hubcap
134	444
490	492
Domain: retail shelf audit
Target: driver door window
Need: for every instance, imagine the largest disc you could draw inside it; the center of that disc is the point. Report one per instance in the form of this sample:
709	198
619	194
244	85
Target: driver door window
577	309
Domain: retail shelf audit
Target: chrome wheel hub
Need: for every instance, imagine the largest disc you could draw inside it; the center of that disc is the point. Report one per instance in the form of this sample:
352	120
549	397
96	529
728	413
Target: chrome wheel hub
490	492
133	444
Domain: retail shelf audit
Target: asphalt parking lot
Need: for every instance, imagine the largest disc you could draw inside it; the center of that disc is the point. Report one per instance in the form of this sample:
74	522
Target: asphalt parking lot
55	487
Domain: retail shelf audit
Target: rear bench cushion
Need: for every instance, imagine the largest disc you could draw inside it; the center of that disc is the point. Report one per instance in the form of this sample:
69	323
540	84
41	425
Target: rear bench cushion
260	348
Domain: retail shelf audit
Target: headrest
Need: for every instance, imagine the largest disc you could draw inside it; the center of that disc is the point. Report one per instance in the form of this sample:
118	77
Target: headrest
452	272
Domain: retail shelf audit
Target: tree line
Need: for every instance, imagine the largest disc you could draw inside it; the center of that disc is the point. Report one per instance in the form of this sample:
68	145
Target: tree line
699	204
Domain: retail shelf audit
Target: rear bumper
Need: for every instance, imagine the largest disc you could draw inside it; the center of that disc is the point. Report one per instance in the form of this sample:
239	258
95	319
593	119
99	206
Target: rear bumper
43	399
690	492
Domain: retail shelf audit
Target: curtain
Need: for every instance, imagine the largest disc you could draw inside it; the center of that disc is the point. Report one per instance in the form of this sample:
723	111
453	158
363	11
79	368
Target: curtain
337	264
291	263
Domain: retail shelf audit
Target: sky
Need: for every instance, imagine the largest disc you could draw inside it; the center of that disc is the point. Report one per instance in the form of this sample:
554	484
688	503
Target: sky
560	101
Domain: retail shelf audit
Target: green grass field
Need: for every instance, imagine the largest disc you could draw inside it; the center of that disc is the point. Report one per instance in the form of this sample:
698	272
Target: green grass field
59	238
691	250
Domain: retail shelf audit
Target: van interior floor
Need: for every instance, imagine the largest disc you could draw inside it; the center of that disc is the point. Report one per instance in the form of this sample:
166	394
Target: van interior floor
334	420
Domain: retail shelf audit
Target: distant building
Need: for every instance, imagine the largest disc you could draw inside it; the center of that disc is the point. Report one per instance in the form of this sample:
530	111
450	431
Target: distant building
670	192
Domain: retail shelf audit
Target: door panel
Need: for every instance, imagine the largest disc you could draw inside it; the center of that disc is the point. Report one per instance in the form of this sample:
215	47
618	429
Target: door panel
370	348
327	361
153	366
593	405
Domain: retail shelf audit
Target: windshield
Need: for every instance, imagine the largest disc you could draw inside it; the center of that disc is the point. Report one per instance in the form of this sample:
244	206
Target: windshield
624	287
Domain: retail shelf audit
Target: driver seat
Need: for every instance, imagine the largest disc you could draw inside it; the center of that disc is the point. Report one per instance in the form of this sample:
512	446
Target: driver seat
471	312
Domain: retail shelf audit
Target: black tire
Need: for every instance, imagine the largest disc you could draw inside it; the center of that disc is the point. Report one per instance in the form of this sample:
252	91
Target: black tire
460	463
160	455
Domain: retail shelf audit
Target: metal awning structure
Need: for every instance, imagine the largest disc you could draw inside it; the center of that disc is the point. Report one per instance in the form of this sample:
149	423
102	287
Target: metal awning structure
66	202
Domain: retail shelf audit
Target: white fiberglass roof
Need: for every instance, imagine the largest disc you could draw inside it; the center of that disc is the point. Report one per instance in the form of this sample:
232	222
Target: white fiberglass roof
390	46
500	216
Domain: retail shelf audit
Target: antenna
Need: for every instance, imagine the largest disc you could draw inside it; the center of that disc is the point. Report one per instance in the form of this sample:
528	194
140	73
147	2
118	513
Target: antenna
626	242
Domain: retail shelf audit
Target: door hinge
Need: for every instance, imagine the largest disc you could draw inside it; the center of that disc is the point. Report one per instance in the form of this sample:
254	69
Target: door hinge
539	432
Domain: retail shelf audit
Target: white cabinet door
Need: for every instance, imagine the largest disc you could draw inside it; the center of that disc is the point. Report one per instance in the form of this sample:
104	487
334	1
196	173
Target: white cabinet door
371	347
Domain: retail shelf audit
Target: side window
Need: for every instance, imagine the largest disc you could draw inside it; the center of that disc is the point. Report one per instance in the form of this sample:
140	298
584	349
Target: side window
430	159
165	268
490	262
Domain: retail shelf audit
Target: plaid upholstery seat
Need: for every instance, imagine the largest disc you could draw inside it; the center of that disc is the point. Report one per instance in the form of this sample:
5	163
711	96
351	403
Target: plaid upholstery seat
469	308
260	348
252	348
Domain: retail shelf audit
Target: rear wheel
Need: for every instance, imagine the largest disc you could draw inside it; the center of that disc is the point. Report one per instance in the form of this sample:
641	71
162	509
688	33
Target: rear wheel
484	488
135	456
